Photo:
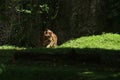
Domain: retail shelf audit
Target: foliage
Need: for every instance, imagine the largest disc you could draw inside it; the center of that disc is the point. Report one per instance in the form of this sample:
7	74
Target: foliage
2	68
24	18
44	8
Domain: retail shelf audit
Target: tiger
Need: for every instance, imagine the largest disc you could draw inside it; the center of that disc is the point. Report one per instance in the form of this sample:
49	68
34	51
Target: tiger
49	39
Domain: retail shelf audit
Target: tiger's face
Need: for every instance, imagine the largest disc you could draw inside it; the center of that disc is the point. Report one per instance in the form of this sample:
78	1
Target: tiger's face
49	39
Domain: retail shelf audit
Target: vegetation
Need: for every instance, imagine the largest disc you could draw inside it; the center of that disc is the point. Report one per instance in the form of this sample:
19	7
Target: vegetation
8	47
32	72
2	68
81	57
24	20
104	41
61	69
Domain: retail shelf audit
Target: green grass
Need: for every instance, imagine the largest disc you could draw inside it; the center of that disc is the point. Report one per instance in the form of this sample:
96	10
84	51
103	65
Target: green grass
104	41
9	47
32	72
50	70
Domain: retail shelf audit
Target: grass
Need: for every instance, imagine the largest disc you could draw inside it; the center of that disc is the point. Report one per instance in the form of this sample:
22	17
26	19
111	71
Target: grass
48	70
8	47
104	41
32	72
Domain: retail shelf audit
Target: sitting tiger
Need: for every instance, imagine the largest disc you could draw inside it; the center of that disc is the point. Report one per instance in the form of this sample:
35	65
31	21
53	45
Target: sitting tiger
49	39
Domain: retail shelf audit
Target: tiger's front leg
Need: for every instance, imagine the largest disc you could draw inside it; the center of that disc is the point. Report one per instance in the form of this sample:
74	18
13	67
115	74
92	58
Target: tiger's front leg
50	45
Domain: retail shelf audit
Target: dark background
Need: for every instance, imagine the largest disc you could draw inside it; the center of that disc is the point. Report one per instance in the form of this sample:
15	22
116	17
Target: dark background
68	19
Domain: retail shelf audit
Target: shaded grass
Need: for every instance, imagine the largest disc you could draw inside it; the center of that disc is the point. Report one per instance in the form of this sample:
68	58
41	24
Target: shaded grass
32	72
55	66
66	62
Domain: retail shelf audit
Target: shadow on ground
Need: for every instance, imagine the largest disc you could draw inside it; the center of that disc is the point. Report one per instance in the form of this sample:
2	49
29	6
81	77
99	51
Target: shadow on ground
60	64
65	55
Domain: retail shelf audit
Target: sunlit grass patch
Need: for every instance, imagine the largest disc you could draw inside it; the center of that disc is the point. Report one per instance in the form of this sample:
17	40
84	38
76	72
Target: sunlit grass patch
8	47
104	41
